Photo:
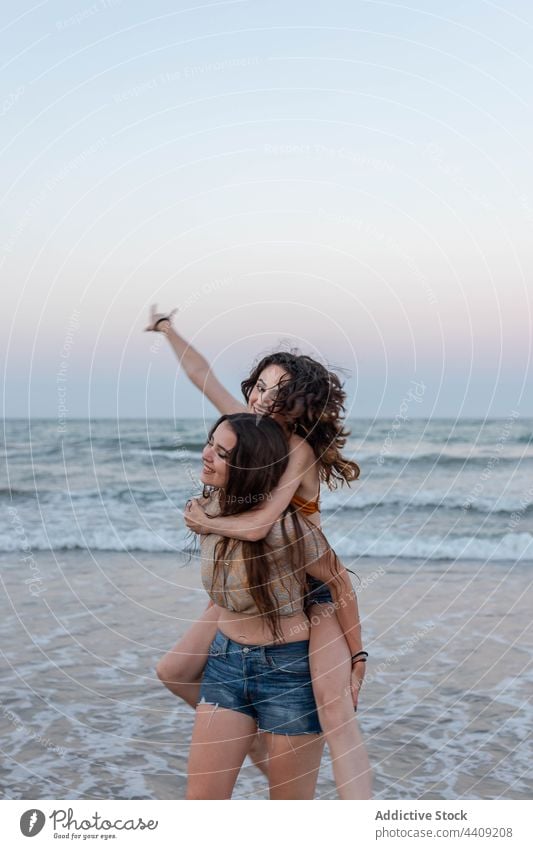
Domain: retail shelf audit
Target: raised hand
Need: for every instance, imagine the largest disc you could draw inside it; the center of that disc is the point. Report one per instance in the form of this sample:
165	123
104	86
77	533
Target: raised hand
157	319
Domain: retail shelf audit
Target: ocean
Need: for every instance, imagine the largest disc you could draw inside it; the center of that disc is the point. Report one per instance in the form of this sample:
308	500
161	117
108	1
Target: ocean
434	489
97	585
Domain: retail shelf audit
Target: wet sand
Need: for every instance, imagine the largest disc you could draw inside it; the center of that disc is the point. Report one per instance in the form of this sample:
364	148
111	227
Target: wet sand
445	707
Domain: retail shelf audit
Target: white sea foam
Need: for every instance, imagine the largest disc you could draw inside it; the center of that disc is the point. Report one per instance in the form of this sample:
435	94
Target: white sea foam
512	546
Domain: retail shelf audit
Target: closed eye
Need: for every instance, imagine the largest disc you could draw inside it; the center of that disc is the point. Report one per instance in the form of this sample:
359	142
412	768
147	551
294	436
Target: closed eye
221	455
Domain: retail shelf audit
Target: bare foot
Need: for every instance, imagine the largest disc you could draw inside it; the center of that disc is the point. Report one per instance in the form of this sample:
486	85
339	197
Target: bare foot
258	753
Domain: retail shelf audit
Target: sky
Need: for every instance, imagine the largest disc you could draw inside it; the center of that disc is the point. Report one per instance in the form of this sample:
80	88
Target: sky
349	178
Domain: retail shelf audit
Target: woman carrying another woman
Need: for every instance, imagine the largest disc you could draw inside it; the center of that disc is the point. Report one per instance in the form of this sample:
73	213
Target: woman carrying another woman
307	401
257	676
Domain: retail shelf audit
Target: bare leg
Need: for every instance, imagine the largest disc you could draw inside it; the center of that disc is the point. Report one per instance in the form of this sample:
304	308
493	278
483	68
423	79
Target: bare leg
221	738
258	753
329	658
181	670
182	667
293	764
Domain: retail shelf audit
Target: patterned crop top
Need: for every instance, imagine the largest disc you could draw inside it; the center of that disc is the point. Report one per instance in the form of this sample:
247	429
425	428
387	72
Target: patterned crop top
306	507
230	589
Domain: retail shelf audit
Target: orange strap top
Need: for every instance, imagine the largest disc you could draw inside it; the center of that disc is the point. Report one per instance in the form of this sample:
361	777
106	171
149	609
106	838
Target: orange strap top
306	507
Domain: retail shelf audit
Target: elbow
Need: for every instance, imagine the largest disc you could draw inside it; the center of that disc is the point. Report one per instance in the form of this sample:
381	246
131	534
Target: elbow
341	591
256	534
259	531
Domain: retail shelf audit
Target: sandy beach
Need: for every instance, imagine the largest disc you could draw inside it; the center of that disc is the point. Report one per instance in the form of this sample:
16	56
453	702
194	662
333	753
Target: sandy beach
444	709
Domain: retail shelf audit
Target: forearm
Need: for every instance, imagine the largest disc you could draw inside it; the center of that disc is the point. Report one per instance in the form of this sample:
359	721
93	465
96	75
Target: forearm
347	610
252	525
194	364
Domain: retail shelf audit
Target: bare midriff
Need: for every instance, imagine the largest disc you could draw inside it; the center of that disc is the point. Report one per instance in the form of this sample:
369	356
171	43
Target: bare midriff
253	630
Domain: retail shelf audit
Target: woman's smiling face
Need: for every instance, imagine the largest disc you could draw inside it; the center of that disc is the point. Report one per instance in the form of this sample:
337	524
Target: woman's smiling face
265	391
215	471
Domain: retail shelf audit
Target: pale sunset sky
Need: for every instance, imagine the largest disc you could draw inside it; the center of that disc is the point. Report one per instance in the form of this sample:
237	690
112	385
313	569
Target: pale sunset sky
351	178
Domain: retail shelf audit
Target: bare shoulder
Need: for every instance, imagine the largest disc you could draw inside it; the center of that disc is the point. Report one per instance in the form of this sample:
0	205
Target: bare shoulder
300	446
301	451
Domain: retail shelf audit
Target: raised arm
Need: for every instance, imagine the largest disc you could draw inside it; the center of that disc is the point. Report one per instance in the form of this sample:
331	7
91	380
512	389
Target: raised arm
195	365
255	524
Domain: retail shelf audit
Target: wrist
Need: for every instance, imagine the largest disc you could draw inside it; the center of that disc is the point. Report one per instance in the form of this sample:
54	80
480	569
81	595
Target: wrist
162	325
207	526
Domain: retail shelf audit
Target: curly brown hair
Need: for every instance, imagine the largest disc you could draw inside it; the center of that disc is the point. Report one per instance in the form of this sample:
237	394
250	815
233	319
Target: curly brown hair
312	399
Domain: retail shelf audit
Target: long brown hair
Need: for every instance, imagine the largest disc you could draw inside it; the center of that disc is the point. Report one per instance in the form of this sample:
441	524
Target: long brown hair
312	399
256	464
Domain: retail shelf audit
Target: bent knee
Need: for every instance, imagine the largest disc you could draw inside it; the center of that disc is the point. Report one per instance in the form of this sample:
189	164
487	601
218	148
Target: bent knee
168	669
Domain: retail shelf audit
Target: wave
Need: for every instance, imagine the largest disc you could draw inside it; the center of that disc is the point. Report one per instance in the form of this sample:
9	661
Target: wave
370	454
104	539
332	502
126	441
491	460
195	447
113	443
106	495
179	453
120	452
513	547
13	492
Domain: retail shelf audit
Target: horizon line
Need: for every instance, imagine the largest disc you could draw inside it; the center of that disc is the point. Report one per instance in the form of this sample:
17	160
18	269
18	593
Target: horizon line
202	418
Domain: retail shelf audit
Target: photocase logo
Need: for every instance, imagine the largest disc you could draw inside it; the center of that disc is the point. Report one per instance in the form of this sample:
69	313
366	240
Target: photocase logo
32	822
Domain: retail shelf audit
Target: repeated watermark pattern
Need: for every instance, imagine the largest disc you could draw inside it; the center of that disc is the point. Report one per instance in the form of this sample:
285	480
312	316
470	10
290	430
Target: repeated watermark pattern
48	187
435	153
84	14
33	735
292	149
61	376
12	98
188	72
492	462
400	417
35	582
330	609
192	299
389	244
183	457
517	515
257	498
394	658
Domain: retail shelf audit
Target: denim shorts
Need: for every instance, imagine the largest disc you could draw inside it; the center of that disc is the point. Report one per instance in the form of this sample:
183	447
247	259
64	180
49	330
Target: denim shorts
271	684
318	592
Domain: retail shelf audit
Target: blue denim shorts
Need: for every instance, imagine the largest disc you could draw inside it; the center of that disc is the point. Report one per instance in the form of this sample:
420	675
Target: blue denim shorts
271	683
318	592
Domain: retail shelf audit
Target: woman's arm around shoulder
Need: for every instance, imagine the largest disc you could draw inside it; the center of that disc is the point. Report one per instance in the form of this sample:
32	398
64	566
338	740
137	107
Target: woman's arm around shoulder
255	524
